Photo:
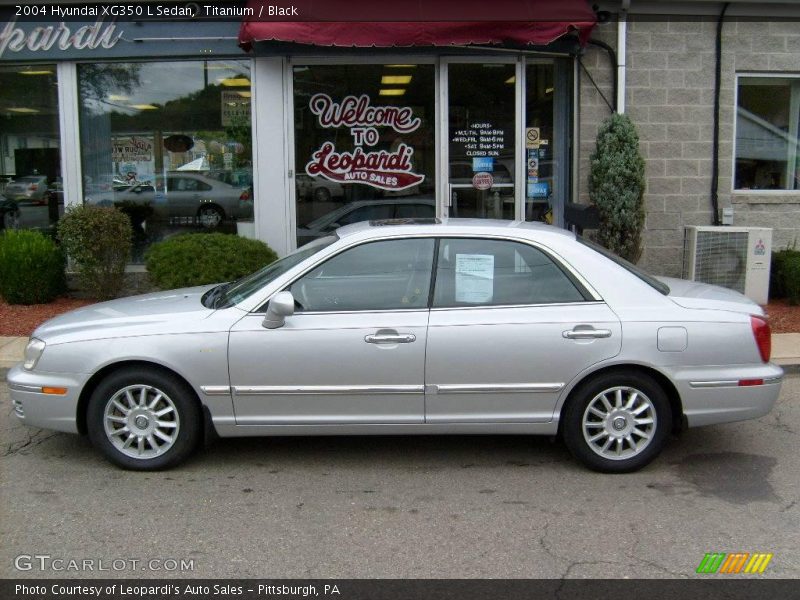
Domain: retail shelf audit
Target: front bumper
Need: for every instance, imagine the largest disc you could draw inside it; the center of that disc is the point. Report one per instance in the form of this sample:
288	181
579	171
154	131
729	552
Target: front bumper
712	395
48	411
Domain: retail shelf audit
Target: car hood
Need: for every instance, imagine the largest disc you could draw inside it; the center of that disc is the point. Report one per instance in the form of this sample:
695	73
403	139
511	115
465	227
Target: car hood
160	312
693	294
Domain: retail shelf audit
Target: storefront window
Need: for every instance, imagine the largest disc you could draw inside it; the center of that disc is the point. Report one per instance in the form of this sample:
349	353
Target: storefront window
767	137
481	116
540	142
364	144
31	194
170	144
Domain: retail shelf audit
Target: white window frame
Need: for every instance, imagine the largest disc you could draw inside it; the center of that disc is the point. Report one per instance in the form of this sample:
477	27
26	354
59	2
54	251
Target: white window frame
793	114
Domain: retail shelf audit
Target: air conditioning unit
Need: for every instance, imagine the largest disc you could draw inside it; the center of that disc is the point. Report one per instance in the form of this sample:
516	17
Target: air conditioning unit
733	257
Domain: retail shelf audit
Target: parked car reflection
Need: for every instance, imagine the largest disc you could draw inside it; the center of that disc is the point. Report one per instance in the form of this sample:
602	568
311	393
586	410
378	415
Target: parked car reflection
420	207
318	189
30	188
188	198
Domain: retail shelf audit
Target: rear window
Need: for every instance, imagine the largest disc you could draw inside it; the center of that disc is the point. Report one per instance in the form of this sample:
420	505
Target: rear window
654	283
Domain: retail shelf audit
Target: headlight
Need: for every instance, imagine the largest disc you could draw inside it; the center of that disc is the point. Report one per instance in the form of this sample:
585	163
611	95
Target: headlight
33	351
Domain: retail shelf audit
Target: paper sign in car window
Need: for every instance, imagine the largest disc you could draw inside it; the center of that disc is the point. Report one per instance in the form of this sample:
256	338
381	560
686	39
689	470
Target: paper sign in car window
474	278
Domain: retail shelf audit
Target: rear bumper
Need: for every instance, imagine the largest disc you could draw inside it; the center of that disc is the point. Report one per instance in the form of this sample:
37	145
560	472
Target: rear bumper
712	395
48	411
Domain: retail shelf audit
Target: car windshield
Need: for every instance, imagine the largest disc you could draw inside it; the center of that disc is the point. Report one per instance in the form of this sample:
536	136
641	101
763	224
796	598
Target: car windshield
659	286
233	293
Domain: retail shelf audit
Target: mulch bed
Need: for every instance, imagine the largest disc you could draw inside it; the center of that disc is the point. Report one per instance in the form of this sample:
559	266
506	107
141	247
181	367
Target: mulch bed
782	317
16	319
22	320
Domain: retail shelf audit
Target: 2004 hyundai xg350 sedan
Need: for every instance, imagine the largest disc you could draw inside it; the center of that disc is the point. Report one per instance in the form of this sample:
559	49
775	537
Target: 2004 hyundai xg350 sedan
407	327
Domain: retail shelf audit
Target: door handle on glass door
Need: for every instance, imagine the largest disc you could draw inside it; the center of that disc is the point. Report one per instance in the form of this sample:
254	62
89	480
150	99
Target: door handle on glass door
586	334
390	338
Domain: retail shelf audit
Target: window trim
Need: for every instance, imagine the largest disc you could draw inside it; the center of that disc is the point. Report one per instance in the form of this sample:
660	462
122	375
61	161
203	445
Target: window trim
262	308
760	192
568	273
584	287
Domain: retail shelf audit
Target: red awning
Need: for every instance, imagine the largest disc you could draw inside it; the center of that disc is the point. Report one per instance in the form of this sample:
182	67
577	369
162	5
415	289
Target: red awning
371	23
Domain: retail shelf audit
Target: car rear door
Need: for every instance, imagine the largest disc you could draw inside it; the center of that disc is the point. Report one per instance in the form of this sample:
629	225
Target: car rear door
510	326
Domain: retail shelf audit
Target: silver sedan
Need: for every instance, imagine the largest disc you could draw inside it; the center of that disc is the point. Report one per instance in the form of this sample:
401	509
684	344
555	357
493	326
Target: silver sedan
407	327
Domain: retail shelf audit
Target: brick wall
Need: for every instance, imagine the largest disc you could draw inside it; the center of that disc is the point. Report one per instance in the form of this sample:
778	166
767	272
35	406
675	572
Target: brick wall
670	97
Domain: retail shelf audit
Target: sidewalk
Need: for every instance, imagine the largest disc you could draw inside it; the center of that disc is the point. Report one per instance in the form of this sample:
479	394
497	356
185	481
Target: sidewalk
785	350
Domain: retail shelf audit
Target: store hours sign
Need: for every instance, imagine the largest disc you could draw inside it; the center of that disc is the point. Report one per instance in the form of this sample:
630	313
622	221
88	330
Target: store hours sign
384	169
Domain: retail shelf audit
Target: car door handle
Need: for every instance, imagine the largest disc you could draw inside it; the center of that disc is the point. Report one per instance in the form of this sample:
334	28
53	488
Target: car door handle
390	338
586	334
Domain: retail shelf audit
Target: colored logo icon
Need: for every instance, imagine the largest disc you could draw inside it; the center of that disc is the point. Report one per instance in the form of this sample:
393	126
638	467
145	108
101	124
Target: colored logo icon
734	563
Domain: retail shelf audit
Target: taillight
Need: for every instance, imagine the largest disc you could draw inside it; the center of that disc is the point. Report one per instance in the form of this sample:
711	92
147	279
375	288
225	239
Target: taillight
245	196
33	187
762	335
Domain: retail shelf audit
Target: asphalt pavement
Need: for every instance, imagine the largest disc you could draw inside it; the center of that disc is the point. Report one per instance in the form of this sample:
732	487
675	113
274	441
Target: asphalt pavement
413	507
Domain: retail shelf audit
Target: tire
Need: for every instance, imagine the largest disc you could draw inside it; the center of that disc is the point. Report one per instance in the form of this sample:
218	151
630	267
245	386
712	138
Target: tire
634	430
9	219
321	194
210	216
117	433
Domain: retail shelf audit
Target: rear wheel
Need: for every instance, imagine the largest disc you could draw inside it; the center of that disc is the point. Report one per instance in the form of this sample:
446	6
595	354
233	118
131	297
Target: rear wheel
143	420
617	422
210	216
322	195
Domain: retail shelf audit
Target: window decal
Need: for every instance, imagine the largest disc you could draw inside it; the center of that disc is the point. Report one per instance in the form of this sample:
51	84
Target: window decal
386	170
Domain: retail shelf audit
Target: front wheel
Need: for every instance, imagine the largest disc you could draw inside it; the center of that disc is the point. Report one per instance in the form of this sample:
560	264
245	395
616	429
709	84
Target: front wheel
10	219
618	422
143	420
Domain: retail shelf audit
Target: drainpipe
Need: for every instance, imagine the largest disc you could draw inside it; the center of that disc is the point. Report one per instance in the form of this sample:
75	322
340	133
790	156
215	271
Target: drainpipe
622	40
715	148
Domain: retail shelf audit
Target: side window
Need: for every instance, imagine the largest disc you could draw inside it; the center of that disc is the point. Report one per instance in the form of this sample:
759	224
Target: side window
415	211
187	185
386	275
473	272
367	213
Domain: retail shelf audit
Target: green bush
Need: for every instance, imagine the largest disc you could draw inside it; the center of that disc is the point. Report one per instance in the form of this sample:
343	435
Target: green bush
31	267
784	277
199	258
616	186
791	278
98	242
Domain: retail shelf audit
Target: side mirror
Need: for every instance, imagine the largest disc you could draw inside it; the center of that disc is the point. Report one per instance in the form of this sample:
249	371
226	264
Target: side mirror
280	306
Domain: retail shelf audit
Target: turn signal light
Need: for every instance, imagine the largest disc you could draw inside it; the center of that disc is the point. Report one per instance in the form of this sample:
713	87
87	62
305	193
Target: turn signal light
56	391
762	335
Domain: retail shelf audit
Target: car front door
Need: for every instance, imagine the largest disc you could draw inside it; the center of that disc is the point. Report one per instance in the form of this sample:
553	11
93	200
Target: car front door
354	350
509	328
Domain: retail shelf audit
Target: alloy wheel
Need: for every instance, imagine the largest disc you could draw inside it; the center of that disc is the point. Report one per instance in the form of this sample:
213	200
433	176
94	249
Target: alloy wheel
619	423
141	421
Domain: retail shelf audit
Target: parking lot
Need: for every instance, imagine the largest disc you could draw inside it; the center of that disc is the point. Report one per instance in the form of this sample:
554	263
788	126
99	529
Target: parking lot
405	507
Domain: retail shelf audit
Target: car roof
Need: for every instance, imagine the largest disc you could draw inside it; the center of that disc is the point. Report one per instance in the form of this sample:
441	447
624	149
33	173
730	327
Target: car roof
449	226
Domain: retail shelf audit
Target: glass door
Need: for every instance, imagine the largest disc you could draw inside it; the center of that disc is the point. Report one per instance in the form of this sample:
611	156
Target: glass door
481	130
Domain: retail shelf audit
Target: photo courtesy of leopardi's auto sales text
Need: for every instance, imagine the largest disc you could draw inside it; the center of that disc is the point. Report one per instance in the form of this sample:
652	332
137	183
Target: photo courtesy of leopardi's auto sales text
364	300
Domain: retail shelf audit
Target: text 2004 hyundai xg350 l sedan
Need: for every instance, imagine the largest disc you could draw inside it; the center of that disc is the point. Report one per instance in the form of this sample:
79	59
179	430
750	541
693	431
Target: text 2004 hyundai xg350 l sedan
397	327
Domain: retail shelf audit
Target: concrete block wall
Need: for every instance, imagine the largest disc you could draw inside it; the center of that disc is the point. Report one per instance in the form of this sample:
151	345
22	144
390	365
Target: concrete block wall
670	98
